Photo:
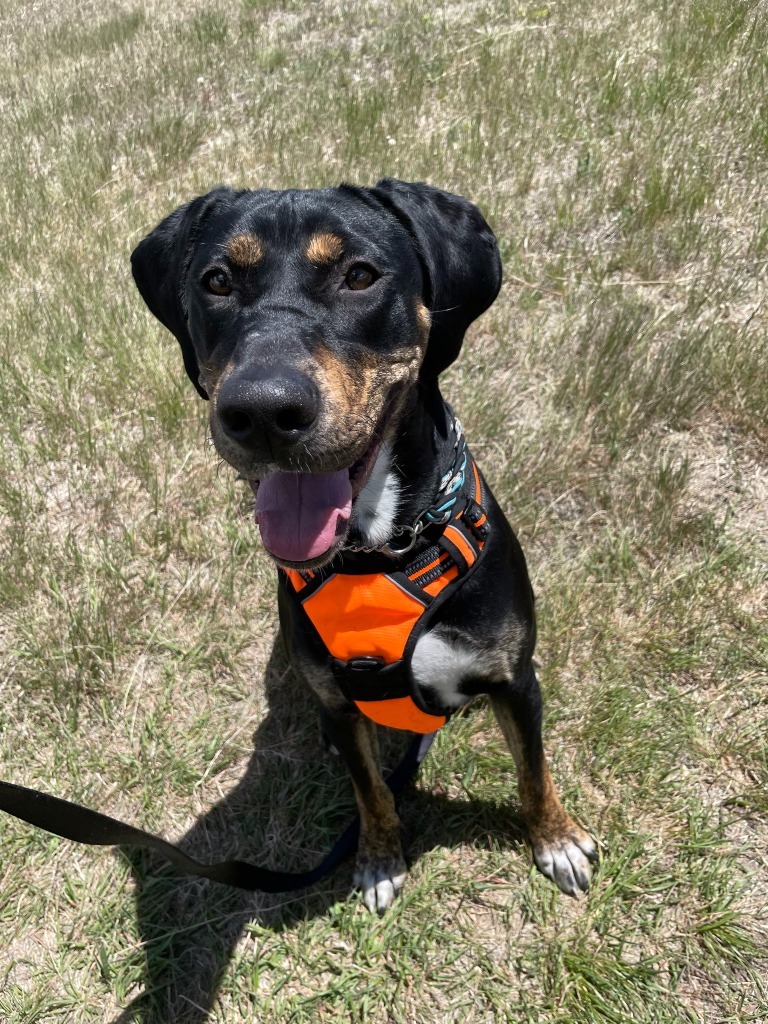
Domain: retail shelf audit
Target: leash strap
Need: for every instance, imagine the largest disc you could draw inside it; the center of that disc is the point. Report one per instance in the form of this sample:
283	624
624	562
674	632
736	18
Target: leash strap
82	825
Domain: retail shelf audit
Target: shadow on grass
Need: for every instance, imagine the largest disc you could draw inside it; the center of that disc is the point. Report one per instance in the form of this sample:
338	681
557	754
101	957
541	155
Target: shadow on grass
189	927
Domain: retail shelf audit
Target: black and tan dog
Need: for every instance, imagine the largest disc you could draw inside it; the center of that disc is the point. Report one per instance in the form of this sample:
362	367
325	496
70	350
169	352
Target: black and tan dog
317	324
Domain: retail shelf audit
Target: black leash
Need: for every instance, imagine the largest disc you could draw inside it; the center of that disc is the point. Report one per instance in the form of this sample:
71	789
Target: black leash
82	825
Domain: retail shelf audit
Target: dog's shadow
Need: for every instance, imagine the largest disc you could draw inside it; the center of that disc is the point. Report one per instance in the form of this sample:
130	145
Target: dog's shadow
189	928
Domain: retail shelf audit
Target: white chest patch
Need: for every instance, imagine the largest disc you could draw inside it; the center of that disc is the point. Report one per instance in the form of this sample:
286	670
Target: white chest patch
376	505
441	665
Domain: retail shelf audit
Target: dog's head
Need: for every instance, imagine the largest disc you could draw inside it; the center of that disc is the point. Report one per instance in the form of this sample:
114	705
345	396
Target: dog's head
304	316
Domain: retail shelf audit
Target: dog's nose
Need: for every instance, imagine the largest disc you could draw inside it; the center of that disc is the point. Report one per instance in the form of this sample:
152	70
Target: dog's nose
275	407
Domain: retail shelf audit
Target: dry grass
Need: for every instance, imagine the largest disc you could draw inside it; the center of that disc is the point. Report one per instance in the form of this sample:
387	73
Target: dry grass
616	396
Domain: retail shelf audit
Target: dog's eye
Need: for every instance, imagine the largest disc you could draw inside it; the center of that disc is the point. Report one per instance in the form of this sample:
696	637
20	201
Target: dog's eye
360	276
217	282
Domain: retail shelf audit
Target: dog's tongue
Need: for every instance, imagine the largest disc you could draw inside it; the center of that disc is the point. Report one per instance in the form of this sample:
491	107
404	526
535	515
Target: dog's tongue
298	513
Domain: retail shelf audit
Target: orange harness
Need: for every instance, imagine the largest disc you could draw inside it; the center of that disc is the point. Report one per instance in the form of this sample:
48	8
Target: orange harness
369	622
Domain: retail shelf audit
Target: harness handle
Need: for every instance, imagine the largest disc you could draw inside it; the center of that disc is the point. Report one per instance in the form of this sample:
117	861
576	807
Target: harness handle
82	825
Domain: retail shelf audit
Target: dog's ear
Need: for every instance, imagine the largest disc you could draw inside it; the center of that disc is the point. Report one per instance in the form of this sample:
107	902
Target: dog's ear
160	263
460	261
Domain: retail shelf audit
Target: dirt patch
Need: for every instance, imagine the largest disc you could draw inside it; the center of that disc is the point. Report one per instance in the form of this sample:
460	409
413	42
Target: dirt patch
728	480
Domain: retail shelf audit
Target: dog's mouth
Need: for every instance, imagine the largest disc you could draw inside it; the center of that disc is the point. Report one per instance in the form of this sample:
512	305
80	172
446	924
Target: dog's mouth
303	518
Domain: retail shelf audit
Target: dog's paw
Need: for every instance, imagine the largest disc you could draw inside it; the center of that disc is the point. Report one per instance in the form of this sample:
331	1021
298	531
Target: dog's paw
567	860
380	878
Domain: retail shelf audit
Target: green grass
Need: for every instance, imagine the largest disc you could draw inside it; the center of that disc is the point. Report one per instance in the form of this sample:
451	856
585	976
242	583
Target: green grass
615	395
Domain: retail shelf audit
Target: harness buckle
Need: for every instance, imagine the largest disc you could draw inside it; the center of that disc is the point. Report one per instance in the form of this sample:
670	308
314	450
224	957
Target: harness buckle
370	678
365	663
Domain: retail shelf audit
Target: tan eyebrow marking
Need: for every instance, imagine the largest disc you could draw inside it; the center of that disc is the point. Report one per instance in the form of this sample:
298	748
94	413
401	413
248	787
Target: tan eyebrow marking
245	250
324	247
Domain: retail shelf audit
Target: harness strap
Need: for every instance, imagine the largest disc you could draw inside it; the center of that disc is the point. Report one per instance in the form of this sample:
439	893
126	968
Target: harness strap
82	825
369	623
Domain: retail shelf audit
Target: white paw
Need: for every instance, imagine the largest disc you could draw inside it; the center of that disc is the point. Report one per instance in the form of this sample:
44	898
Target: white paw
379	885
567	861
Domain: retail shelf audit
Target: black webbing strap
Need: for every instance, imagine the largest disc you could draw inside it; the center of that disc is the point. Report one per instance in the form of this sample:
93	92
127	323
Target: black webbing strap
72	821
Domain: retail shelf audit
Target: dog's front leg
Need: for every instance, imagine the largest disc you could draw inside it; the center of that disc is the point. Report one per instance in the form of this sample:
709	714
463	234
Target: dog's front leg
380	867
563	851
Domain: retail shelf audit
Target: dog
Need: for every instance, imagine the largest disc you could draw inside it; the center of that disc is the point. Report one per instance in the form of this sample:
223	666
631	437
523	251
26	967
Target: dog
317	324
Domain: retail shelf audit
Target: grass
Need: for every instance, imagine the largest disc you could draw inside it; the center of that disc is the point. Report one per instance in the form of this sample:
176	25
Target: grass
615	395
